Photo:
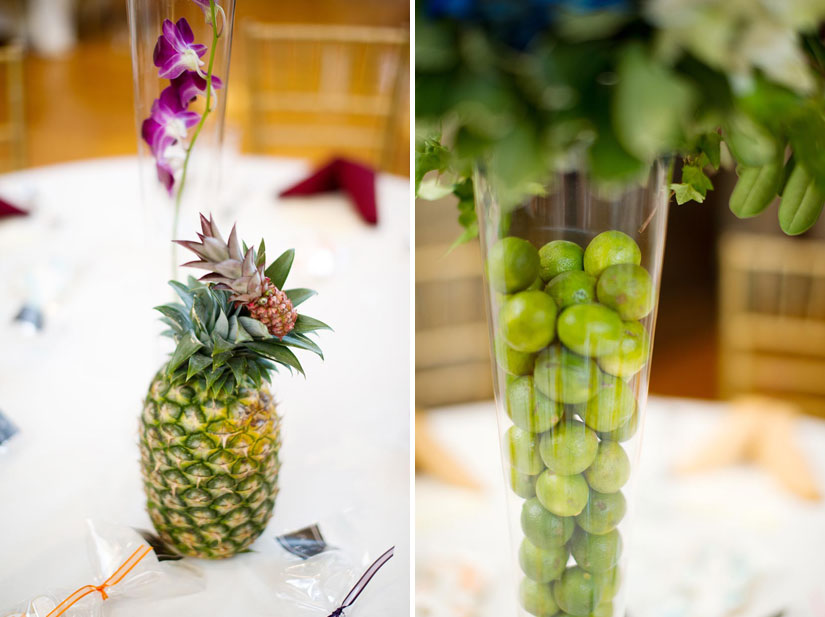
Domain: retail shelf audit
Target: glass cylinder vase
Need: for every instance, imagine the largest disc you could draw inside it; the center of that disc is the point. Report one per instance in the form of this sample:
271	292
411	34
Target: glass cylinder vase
572	279
178	48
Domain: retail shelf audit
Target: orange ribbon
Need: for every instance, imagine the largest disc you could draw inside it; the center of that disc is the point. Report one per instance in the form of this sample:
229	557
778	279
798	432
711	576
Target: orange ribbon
116	577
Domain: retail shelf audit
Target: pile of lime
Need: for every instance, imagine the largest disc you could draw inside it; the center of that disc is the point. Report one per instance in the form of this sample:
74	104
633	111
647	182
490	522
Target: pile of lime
570	340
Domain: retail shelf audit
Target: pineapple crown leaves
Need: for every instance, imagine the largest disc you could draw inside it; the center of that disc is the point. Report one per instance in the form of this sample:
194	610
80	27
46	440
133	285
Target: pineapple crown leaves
216	339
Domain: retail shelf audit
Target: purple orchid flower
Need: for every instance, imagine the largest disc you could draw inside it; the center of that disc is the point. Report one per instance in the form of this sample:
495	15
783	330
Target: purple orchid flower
176	50
190	85
167	125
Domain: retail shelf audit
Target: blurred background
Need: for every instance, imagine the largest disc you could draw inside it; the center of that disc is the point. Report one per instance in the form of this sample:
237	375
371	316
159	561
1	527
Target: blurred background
66	81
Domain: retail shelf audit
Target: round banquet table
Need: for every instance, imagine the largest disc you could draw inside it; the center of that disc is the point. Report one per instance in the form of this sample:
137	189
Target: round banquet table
75	388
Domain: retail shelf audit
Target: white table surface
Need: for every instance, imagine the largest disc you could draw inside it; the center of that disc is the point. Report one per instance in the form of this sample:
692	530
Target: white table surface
75	389
720	544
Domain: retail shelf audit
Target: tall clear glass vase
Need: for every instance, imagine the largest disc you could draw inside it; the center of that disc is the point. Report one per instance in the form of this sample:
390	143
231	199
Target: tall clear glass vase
572	278
179	120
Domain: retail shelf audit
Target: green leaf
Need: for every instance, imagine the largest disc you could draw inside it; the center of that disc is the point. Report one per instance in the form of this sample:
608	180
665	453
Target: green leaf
302	341
685	193
213	376
650	106
279	353
184	294
755	189
237	366
802	202
299	296
432	190
430	155
197	363
750	143
233	329
309	324
229	385
201	312
695	176
187	346
254	327
254	372
220	345
710	144
278	270
177	317
260	259
221	327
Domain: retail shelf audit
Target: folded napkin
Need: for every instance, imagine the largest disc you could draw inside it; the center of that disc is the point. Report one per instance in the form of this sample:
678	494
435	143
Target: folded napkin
7	209
355	179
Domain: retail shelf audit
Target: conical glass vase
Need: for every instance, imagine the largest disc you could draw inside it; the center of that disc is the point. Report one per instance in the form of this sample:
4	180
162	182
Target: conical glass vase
572	279
176	47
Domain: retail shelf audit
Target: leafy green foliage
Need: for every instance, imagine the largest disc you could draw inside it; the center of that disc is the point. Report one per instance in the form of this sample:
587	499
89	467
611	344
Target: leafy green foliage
279	269
609	96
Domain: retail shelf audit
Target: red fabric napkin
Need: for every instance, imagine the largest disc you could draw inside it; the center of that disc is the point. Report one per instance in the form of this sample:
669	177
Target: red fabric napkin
6	209
355	179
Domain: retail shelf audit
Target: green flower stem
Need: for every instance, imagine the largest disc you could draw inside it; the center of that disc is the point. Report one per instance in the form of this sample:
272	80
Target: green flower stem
179	197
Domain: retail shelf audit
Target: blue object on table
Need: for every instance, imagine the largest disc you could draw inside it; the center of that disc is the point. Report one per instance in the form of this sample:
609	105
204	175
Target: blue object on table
7	429
30	314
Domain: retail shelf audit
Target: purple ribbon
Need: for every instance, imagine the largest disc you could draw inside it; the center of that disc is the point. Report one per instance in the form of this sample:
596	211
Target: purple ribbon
352	596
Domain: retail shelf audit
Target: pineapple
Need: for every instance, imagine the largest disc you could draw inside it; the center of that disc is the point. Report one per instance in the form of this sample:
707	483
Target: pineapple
210	431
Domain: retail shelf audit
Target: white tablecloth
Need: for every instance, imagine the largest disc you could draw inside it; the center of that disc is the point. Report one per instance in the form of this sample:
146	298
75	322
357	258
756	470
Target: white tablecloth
75	389
724	543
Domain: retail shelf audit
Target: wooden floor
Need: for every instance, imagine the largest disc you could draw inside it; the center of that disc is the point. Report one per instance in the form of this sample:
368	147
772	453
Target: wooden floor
80	105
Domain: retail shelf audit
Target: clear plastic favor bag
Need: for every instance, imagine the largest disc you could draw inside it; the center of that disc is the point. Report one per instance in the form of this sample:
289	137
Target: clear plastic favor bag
125	567
320	569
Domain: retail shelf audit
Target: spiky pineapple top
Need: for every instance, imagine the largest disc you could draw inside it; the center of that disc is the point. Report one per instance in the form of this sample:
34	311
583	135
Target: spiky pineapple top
236	321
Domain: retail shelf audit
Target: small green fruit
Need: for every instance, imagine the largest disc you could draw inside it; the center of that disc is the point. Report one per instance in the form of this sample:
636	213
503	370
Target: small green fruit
565	376
528	409
537	598
569	448
608	249
577	592
632	354
562	495
559	256
542	527
610	470
627	289
596	553
528	321
542	565
512	264
602	513
523	451
625	432
590	329
575	287
523	485
612	406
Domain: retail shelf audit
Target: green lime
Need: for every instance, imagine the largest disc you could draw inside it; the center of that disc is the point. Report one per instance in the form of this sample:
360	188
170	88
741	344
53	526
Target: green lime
577	592
627	289
565	376
575	287
632	354
537	598
590	329
528	321
542	527
610	470
610	582
602	513
523	451
569	448
523	485
608	249
513	362
542	565
612	406
625	431
562	495
604	609
528	409
559	256
596	553
512	264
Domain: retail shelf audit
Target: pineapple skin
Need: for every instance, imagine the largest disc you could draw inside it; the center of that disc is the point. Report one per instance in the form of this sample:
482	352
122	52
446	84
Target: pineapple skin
210	465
